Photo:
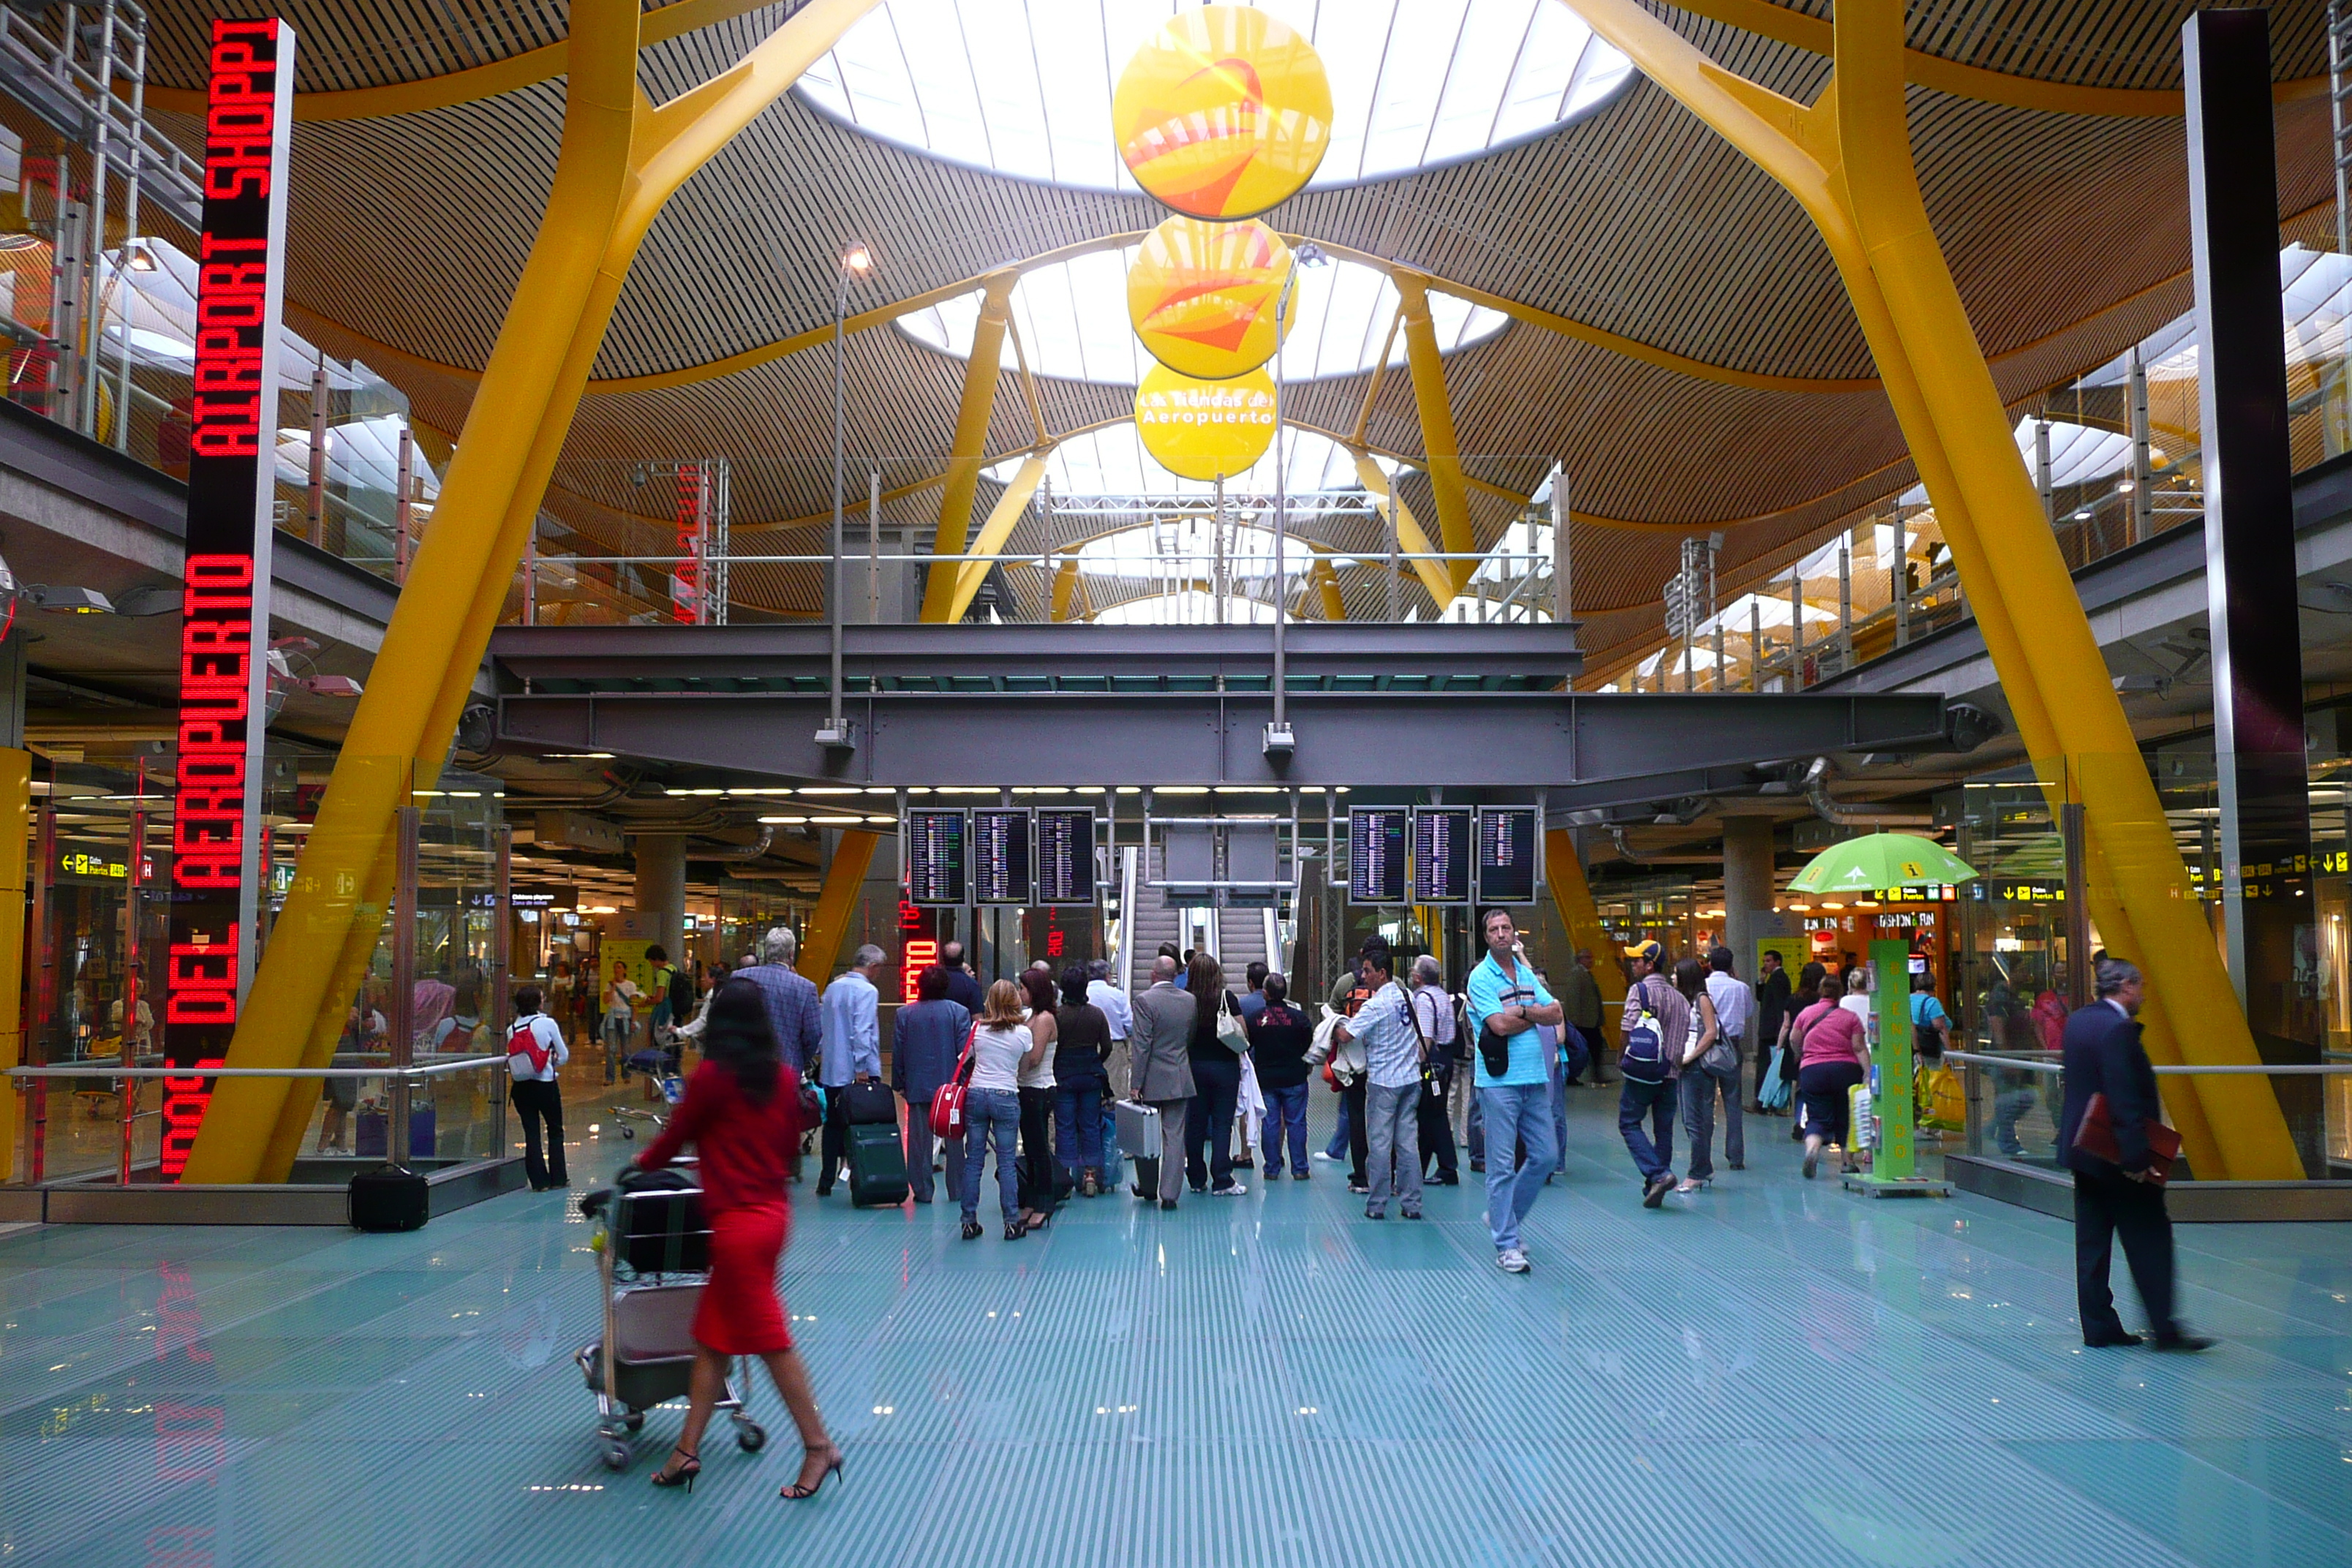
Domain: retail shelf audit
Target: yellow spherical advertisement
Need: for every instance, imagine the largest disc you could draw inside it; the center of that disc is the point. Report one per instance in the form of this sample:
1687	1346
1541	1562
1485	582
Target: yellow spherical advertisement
1201	296
1204	429
1224	113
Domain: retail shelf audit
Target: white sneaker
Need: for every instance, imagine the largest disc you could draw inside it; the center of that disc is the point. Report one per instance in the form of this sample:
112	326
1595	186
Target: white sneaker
1319	1154
1511	1260
1231	1190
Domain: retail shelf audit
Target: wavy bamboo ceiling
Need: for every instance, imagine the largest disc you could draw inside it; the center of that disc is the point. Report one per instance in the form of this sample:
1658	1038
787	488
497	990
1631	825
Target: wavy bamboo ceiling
2067	231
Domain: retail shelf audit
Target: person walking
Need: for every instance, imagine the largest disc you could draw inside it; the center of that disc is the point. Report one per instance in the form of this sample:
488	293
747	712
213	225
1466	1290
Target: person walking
1668	1012
1038	1171
1393	1054
1161	1071
1433	1009
1715	1072
1216	1084
2104	1057
849	1050
789	997
1834	1057
1771	1011
1506	1005
1081	1047
619	1024
1278	1039
1110	995
1002	1050
535	1053
1801	996
1349	993
1580	1005
741	1116
927	1040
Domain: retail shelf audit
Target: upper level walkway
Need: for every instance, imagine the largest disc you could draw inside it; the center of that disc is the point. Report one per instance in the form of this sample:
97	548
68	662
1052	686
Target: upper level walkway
1768	1373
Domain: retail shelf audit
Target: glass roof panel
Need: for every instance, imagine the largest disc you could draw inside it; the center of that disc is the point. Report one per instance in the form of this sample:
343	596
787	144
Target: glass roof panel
1072	317
1185	547
1023	87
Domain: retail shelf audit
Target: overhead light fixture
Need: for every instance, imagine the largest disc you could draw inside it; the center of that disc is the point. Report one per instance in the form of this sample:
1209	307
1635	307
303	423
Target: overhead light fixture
855	257
71	601
142	259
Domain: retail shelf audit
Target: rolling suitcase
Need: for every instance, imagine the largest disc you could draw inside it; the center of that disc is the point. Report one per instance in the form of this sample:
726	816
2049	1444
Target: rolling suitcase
1138	1140
374	1135
1114	1163
390	1198
867	1104
878	1165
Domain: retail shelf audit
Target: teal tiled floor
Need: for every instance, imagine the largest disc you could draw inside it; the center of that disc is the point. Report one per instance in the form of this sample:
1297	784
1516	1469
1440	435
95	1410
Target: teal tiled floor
1768	1373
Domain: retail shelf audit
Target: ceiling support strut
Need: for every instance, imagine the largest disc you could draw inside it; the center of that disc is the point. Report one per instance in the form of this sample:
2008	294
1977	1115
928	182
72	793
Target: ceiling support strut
1846	158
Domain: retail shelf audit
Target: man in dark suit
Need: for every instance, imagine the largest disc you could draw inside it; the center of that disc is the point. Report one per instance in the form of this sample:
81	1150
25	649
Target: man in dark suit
2103	1056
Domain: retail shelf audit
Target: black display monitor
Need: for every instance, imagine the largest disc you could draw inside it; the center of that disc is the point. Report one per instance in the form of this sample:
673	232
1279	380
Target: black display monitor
1376	853
1440	854
1004	860
1065	855
1507	851
939	860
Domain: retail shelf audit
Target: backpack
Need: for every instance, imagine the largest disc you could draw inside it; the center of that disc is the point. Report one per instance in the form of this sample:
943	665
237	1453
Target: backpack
523	1041
1643	1058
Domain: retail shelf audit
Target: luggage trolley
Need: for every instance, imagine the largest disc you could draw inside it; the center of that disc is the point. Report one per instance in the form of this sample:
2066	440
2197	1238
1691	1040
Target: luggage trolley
654	1257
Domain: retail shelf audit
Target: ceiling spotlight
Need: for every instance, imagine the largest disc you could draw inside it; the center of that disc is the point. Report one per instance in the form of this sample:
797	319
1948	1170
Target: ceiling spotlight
1312	255
142	259
856	257
69	601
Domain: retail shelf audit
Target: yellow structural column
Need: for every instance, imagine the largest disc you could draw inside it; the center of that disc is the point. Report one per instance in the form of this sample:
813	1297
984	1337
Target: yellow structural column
16	822
2121	810
1799	147
1572	894
1410	538
620	160
1437	438
837	903
994	531
981	374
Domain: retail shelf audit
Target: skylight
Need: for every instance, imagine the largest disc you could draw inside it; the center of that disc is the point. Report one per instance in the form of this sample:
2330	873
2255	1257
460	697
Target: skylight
1072	317
1112	462
1025	89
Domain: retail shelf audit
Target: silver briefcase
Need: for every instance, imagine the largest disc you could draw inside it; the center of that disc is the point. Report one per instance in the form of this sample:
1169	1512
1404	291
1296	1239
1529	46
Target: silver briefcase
1139	1130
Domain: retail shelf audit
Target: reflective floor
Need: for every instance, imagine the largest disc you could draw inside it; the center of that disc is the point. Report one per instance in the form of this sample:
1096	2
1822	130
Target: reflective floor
1770	1372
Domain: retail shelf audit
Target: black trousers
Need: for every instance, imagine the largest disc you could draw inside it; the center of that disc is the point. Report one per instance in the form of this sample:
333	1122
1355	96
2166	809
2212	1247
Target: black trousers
1036	1162
1209	1124
540	1106
2108	1207
832	1148
1359	1145
1436	1128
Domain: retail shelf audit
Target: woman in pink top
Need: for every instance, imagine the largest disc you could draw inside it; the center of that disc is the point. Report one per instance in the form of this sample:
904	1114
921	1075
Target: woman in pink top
1834	1056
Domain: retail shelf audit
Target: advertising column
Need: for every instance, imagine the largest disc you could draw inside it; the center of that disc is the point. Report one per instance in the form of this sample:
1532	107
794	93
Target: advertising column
216	887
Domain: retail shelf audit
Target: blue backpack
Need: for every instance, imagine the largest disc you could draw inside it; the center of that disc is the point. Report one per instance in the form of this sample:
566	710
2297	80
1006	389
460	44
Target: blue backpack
1643	1058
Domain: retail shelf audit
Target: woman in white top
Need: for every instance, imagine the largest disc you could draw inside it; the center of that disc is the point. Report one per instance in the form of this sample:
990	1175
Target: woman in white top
1001	1048
1856	999
1037	1168
536	1051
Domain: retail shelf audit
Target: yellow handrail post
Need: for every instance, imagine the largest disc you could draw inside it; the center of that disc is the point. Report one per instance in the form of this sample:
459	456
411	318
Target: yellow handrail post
1437	438
981	374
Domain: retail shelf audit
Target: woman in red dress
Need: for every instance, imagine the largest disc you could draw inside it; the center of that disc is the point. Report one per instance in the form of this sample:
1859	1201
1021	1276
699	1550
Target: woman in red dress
742	1114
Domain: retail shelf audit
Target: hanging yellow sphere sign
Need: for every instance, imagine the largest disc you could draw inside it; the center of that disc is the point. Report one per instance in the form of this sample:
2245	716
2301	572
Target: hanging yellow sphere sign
1201	296
1204	429
1225	113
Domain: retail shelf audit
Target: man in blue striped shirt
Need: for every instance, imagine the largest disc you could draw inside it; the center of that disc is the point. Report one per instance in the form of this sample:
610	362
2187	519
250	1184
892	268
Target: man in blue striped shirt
1505	998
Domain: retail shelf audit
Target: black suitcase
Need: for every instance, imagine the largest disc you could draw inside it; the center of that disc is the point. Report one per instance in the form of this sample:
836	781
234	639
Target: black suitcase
390	1198
867	1104
1050	1192
878	1166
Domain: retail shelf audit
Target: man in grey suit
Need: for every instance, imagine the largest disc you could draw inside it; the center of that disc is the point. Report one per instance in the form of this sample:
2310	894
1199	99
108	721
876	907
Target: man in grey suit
1160	1048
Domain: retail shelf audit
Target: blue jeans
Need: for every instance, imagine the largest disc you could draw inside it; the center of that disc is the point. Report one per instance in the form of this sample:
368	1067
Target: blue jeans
1653	1152
991	1116
1516	1112
1338	1149
1284	1108
1079	1124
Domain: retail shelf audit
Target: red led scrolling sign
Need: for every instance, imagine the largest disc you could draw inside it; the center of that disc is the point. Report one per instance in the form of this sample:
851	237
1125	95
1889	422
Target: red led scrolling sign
223	630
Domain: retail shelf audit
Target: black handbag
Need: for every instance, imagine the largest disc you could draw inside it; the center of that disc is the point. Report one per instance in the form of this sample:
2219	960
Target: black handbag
1494	1049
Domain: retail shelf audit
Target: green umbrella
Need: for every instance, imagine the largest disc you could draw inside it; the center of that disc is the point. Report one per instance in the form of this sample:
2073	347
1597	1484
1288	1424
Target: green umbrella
1880	860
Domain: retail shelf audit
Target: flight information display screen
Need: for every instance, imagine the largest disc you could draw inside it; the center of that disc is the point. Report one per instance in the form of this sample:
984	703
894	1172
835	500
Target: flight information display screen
1441	855
938	857
1004	869
1065	855
1506	853
1376	853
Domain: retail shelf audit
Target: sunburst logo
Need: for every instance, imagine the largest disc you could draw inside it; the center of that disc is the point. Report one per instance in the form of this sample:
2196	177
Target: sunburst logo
1224	113
1201	296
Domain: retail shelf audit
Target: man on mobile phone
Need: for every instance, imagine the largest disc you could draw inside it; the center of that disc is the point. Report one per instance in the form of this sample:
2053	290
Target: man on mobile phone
1507	1004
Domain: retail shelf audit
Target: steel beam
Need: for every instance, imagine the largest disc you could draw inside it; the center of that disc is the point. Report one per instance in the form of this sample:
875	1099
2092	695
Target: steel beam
1504	739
